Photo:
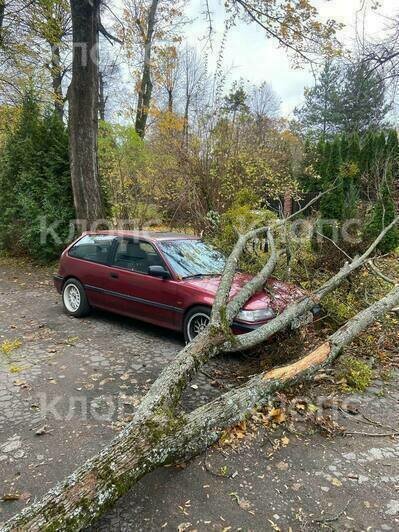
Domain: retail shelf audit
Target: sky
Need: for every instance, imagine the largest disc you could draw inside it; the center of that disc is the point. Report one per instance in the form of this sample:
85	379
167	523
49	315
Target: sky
249	55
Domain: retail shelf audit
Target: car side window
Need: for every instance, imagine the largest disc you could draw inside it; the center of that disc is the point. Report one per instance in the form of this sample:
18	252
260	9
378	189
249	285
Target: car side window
136	255
95	248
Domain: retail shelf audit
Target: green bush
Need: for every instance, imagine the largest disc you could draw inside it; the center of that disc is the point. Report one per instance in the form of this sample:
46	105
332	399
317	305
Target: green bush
356	373
382	214
35	184
243	216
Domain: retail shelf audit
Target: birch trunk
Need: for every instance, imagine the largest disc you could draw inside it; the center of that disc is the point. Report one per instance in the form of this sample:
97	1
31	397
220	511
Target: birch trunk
157	440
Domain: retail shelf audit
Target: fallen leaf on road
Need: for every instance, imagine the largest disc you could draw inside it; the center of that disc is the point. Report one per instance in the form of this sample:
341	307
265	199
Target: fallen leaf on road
183	527
282	466
41	431
19	382
277	415
8	497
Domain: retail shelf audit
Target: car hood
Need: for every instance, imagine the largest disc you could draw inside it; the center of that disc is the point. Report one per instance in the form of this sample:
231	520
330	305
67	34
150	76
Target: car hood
275	294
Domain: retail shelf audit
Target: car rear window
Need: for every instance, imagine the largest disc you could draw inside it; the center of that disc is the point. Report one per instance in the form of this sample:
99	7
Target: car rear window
93	247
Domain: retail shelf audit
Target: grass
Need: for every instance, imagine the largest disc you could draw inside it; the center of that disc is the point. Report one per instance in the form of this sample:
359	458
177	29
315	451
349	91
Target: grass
8	346
357	374
15	369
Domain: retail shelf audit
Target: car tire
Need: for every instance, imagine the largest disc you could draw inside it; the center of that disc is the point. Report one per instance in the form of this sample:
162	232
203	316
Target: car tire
74	299
195	322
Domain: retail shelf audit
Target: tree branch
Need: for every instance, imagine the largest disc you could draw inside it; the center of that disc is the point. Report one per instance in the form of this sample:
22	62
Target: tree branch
230	269
255	284
253	338
110	38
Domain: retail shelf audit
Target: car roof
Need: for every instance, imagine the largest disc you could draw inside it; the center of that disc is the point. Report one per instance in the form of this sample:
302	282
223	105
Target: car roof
146	235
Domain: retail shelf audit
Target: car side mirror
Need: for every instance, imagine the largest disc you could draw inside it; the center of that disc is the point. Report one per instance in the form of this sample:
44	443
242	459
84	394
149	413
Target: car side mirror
158	271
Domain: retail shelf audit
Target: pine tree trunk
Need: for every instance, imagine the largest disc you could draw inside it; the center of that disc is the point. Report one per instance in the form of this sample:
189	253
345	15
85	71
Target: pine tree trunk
83	110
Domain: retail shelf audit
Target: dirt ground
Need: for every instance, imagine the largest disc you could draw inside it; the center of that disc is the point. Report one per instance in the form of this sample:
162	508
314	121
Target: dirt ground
67	386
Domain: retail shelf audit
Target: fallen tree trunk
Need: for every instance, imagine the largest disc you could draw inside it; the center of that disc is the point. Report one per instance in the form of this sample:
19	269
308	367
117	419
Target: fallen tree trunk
157	434
95	486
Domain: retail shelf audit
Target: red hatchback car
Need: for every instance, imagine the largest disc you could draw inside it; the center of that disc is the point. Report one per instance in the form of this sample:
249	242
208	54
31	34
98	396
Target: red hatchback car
162	278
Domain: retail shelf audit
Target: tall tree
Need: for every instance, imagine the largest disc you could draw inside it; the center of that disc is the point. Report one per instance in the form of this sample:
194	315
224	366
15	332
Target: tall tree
263	101
320	114
83	110
193	85
347	97
35	184
236	102
151	26
50	22
147	28
168	74
362	99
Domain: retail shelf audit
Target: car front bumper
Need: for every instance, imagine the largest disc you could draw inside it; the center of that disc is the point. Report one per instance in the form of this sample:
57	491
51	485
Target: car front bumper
242	328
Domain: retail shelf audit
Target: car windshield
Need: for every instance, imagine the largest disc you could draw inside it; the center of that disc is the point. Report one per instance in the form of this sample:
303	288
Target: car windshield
193	258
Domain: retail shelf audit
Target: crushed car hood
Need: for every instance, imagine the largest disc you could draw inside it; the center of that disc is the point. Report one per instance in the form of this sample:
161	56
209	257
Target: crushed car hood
275	294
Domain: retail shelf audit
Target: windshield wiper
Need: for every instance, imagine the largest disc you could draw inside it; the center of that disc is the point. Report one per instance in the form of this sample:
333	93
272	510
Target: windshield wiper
195	275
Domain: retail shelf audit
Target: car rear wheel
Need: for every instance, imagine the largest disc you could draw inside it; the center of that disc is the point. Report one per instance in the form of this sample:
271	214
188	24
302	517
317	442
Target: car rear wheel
74	299
196	320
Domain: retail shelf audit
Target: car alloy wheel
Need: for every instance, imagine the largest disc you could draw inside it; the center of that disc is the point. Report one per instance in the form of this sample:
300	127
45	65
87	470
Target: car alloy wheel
72	298
197	324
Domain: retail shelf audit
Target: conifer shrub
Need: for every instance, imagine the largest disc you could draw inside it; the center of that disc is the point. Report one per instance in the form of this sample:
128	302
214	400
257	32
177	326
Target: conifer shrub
35	185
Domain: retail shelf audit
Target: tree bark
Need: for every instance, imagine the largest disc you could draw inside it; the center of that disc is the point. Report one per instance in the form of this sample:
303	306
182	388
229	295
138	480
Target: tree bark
170	100
287	204
2	11
83	110
185	120
102	98
56	80
137	450
145	90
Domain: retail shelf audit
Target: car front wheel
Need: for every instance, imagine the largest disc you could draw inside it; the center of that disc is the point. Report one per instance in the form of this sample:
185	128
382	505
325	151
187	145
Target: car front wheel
74	299
196	320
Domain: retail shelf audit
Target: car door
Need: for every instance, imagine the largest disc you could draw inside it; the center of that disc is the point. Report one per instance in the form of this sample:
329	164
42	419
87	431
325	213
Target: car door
88	261
141	295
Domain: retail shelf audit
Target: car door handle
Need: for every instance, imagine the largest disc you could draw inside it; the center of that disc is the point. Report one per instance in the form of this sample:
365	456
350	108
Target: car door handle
114	275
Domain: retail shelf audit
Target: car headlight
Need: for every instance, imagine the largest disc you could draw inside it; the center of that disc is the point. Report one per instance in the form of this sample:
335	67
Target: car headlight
256	315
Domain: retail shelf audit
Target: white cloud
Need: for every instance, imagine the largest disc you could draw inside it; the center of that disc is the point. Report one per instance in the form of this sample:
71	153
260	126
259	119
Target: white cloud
248	54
